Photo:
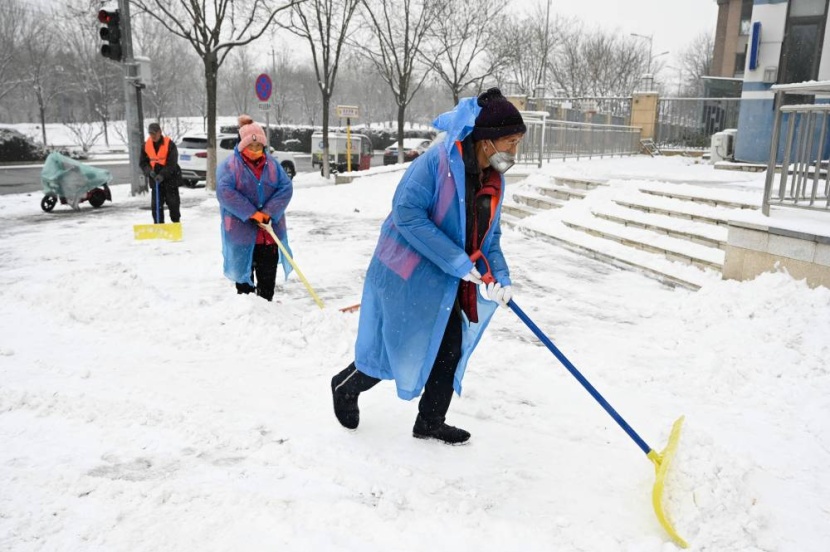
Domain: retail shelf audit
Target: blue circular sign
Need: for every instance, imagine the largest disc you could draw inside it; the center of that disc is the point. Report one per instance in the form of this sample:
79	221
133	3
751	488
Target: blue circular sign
263	87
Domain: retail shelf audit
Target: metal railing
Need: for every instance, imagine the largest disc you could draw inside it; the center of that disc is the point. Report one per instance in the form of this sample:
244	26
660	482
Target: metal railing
803	176
691	122
612	110
549	139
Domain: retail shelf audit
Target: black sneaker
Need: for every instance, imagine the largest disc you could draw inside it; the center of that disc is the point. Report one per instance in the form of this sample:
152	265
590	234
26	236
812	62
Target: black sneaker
345	406
441	431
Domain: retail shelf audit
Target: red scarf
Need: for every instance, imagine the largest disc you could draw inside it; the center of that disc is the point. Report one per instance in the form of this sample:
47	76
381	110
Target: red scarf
491	187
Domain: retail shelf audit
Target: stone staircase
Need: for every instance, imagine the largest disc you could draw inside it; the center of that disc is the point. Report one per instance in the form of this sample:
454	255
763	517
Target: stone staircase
676	234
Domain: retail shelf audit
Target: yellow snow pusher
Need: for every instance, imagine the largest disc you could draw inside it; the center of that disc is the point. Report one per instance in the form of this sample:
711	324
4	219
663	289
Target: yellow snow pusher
661	460
284	251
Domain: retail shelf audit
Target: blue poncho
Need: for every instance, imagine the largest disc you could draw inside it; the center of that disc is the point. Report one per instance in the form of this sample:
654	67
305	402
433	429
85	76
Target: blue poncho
413	277
241	195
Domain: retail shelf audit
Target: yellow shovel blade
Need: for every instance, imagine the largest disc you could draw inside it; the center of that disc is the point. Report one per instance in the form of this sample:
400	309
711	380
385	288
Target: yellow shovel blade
169	231
662	461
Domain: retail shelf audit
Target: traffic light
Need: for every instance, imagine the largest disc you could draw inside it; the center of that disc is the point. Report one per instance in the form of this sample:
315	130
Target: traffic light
111	33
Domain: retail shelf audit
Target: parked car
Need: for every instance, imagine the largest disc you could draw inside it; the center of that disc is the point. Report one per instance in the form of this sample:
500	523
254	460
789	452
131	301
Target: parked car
361	151
412	148
193	156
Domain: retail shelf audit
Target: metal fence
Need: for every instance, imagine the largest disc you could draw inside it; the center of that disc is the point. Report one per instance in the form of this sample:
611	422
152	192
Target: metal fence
803	176
681	122
550	139
691	122
586	109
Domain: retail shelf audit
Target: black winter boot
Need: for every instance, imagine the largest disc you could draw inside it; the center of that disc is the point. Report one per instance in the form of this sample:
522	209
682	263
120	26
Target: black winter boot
345	405
424	429
345	388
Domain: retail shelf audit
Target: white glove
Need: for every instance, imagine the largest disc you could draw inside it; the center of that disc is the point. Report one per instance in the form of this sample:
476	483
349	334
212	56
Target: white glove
500	295
474	276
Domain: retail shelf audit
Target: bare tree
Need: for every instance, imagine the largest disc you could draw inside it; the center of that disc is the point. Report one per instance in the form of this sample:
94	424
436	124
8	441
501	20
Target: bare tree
93	80
522	49
214	28
324	25
239	83
457	45
40	70
696	61
174	68
399	28
84	133
14	20
596	63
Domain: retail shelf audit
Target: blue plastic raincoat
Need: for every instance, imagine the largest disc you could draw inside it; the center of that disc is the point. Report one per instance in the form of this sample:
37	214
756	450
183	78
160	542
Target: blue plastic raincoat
413	277
241	195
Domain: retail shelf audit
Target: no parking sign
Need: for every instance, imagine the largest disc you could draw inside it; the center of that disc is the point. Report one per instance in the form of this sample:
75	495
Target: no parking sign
263	87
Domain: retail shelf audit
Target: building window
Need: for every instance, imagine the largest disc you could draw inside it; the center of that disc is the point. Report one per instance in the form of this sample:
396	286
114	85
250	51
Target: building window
740	63
803	36
746	18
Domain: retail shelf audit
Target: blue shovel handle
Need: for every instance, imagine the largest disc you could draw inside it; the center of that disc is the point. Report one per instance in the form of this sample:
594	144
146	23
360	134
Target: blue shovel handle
580	378
158	202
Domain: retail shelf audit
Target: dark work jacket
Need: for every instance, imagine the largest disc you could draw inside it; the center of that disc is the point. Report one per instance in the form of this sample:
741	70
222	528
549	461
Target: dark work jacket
171	171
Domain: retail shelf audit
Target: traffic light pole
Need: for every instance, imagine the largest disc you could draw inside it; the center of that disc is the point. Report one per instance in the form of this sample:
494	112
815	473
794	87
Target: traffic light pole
132	97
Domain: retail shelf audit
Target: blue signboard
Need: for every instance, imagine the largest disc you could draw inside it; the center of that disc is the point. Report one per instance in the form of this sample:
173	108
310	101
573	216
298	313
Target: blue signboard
755	46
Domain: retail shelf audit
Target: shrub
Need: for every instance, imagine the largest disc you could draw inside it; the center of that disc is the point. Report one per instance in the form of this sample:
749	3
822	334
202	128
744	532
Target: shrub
15	146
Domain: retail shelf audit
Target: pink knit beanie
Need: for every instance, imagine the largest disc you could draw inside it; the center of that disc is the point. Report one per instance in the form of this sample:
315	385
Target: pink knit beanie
250	132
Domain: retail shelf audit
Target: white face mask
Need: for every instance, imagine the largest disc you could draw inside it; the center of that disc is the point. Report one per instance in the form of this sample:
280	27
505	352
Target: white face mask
501	161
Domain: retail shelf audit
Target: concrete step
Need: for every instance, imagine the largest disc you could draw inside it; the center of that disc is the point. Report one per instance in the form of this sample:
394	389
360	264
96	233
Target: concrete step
561	192
707	197
579	183
536	201
649	264
696	232
674	249
517	210
677	208
508	219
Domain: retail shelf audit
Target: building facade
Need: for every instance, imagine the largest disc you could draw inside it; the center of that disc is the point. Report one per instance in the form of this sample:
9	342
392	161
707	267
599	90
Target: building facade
731	38
785	44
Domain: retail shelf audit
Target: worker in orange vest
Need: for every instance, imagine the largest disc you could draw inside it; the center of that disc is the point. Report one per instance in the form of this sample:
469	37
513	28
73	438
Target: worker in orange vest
159	161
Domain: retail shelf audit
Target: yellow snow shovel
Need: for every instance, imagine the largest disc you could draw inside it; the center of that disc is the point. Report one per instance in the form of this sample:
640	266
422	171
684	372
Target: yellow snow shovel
167	231
661	460
164	231
284	251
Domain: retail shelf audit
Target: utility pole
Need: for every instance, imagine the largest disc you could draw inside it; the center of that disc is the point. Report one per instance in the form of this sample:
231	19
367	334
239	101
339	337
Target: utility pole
132	97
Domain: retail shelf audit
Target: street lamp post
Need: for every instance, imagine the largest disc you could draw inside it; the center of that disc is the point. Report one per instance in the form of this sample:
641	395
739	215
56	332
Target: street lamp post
649	77
650	39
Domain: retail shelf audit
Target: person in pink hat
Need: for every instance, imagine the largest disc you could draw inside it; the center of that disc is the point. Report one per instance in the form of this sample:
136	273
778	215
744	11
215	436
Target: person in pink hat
253	190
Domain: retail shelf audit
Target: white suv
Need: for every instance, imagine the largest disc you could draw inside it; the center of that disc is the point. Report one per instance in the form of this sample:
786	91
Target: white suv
193	156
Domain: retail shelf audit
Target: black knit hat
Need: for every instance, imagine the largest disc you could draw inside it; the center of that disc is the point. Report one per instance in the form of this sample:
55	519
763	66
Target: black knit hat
498	117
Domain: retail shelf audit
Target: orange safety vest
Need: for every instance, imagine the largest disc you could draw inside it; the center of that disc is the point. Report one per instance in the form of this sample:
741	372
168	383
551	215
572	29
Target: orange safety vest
157	157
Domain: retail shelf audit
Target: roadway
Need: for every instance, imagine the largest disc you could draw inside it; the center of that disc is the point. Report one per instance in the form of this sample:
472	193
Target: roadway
17	179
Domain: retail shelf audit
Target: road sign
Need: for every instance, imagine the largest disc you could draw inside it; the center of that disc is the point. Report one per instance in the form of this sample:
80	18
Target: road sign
263	87
264	106
348	111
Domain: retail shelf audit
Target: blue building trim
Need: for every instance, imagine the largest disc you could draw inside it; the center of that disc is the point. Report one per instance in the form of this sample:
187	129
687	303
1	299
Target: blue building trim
755	123
761	2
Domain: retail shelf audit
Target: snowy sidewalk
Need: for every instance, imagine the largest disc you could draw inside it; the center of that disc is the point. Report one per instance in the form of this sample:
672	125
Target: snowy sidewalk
145	406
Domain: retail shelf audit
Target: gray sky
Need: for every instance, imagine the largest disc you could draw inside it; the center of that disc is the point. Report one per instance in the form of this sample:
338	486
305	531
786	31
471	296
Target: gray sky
673	23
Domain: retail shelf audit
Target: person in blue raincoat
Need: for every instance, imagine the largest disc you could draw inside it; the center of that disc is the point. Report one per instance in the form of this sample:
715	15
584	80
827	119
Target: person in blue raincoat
253	189
420	315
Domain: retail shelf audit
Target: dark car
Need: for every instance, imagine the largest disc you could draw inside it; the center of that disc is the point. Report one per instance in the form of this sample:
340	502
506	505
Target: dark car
412	148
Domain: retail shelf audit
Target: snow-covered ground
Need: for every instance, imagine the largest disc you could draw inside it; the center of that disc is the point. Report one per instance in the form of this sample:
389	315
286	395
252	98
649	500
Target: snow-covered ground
146	406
